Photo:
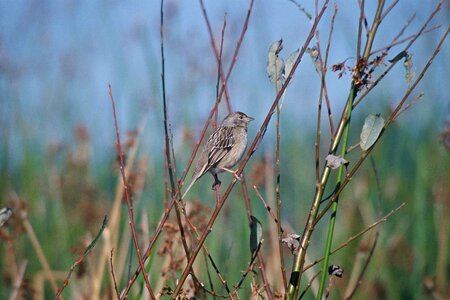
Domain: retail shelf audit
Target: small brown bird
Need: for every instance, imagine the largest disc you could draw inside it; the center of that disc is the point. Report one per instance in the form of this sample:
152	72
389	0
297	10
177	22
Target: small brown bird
224	148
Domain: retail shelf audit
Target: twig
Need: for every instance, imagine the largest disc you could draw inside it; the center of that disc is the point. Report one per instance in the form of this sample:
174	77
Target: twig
309	284
81	258
358	44
168	145
386	12
263	272
249	268
267	207
404	40
127	196
219	66
166	123
218	56
356	236
98	272
18	281
278	193
386	125
363	17
244	188
113	275
416	82
366	264
414	38
399	34
323	91
267	288
341	132
251	150
115	213
407	106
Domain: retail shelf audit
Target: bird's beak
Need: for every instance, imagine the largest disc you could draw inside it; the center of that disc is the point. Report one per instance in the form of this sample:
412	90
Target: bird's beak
249	119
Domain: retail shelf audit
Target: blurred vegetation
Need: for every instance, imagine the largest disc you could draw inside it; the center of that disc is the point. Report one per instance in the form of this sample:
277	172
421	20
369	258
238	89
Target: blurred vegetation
59	166
66	199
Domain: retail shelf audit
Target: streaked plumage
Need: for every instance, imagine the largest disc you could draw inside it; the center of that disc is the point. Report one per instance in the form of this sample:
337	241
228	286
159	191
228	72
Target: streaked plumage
224	148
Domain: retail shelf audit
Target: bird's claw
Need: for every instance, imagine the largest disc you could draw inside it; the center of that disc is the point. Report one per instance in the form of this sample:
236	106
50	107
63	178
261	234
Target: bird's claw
217	182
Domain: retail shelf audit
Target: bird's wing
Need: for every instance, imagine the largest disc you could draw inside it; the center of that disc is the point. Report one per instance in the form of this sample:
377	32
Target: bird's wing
220	143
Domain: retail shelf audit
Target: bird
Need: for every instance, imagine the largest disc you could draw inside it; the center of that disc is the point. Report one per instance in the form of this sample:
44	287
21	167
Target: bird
223	149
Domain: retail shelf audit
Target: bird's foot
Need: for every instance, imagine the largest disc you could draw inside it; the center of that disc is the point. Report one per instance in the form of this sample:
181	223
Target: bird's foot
234	173
216	183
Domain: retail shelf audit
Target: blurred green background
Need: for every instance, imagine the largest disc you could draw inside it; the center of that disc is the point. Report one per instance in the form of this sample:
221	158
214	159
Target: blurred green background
58	153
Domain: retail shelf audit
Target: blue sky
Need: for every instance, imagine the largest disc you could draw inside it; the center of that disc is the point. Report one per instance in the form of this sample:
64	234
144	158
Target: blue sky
58	57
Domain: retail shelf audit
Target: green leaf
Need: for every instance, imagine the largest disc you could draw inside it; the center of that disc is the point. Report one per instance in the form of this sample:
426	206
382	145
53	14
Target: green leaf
371	131
255	234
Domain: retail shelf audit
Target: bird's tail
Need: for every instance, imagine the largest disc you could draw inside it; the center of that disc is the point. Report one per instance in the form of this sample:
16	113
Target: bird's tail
194	179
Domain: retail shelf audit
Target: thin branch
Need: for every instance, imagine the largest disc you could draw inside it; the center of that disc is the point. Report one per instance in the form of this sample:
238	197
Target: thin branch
408	38
416	82
366	264
323	91
278	193
387	123
407	106
248	269
218	56
361	16
263	272
127	195
81	258
419	33
341	131
219	68
387	11
251	150
113	275
267	207
168	144
356	236
309	284
18	281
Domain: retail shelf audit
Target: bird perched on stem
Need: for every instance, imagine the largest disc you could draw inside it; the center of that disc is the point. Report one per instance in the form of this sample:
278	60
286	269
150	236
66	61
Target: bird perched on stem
224	148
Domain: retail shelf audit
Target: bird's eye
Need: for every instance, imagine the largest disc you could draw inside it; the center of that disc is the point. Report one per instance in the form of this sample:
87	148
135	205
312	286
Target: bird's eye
241	117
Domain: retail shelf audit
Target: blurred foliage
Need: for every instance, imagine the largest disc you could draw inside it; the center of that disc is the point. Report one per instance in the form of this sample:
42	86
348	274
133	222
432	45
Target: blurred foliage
66	201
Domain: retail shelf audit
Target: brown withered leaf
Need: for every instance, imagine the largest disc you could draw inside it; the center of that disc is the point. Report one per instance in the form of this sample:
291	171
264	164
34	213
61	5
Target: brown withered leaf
335	162
292	240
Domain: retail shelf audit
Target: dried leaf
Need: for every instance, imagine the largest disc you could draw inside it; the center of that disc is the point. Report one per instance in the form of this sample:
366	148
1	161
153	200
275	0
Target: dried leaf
255	234
335	162
275	65
398	56
335	270
314	54
293	242
5	214
370	131
289	63
408	63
